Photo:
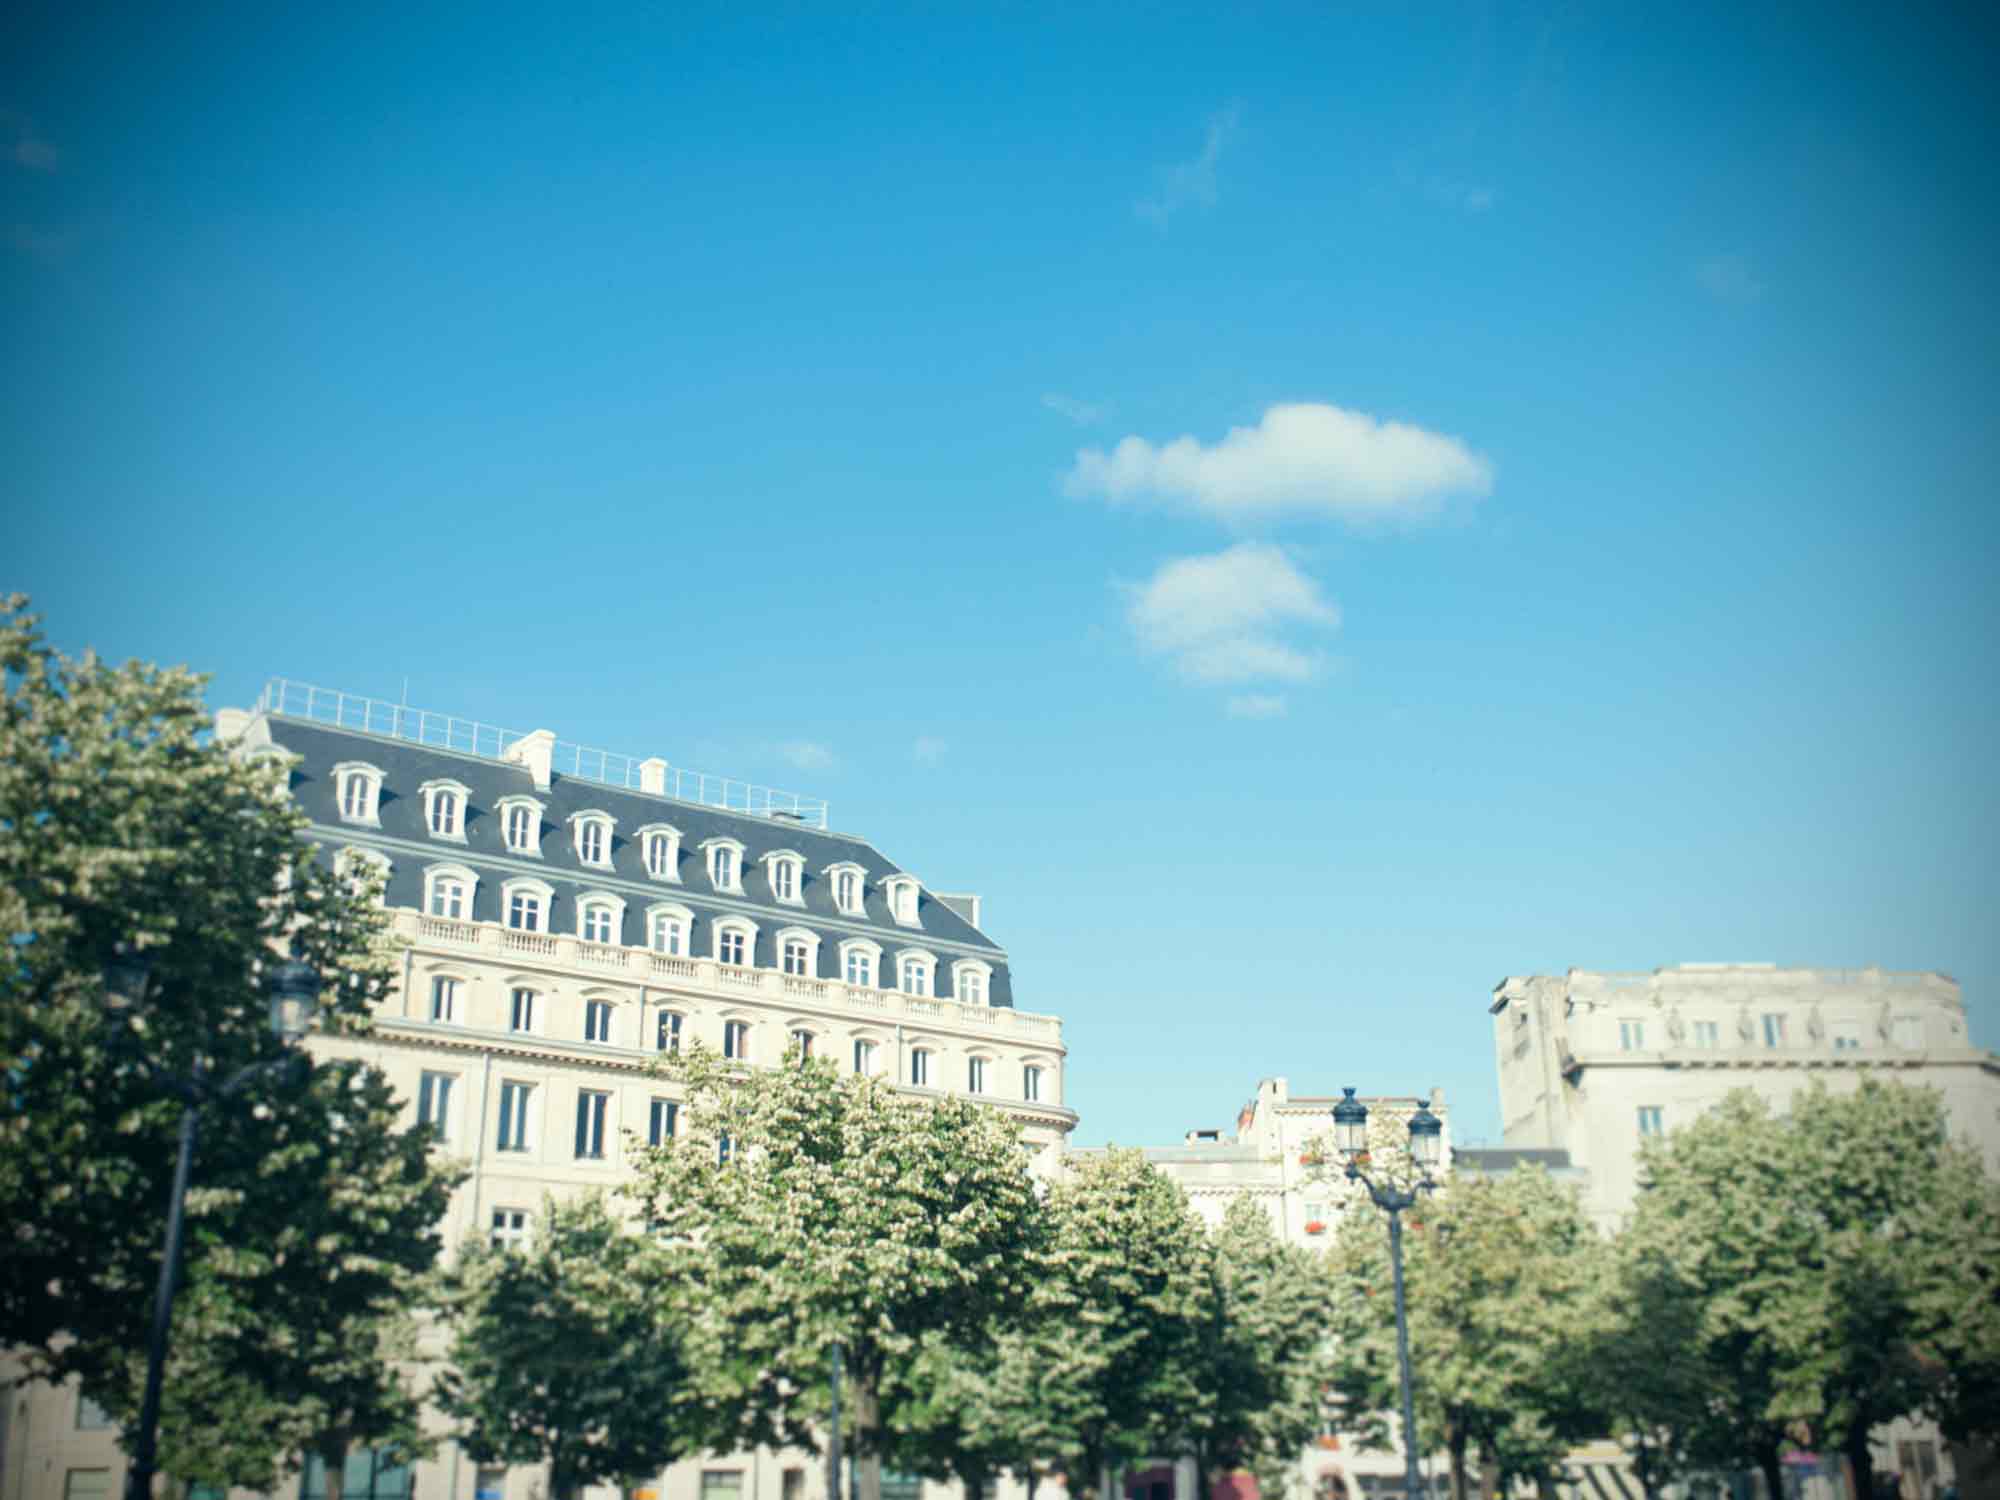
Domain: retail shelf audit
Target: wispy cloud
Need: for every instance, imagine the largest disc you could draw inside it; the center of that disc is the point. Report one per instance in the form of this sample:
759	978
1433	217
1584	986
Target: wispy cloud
1222	617
1729	278
1306	457
1463	197
1257	706
808	755
1083	413
1191	182
928	750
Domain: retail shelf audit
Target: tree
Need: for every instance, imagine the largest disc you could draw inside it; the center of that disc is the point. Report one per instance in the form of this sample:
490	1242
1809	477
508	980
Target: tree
567	1352
802	1209
1265	1351
1120	1311
1500	1279
123	824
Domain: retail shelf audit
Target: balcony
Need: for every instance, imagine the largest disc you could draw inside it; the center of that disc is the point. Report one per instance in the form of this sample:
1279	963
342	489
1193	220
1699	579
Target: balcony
721	981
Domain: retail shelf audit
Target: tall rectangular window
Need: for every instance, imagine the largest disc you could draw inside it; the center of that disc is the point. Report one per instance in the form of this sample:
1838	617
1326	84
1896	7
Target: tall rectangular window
434	1103
1707	1034
916	977
784	883
514	1099
668	1036
845	889
971	986
1774	1029
663	1123
736	1040
724	1149
975	1075
795	955
444	813
920	1068
597	924
668	935
444	999
1650	1120
1632	1036
590	1110
860	968
596	1021
1031	1084
521	1011
864	1057
520	828
590	842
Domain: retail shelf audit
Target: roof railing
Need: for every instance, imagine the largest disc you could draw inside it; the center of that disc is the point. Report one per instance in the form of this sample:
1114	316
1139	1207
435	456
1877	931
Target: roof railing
422	726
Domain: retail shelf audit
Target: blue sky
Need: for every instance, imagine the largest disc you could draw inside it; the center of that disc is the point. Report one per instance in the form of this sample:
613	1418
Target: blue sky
1308	511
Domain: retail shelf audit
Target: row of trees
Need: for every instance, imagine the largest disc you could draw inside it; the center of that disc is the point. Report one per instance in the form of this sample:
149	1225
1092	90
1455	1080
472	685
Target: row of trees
1786	1281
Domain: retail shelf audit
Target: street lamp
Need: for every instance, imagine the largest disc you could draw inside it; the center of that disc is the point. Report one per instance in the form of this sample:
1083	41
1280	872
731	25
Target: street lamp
1350	1135
292	988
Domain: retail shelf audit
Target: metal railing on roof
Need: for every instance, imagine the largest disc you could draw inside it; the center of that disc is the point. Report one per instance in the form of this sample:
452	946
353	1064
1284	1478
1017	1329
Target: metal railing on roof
422	726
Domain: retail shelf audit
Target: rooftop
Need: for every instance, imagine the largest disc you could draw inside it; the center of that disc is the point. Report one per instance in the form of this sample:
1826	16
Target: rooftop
288	698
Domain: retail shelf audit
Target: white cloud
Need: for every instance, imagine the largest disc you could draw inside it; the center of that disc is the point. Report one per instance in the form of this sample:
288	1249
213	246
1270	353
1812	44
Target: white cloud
808	755
1463	197
1219	618
1306	456
1083	413
1257	706
1729	278
1191	181
928	750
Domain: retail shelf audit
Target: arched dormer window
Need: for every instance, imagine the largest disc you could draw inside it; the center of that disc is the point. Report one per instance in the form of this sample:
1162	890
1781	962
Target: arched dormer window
660	848
725	864
525	904
901	892
600	917
363	867
520	825
357	788
860	962
735	942
915	970
786	871
592	833
448	892
667	928
971	980
445	803
849	883
798	951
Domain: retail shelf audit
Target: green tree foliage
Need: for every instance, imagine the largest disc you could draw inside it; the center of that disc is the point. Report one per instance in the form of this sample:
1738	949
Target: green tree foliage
121	822
1265	1351
1501	1282
844	1212
567	1352
1818	1249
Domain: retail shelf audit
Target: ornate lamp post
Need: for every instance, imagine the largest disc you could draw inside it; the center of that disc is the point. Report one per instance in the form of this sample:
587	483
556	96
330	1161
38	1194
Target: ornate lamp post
1350	1135
293	990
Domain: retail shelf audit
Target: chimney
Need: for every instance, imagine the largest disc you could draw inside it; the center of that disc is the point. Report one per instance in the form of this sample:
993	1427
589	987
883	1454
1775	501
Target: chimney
537	752
653	776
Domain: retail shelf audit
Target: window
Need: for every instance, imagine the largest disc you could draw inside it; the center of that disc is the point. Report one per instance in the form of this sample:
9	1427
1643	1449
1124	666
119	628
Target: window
792	1485
1031	1083
360	791
786	871
1650	1120
795	956
597	1021
724	1149
1707	1034
971	981
1907	1031
527	906
660	847
917	968
90	1417
731	946
736	1040
445	803
725	864
444	999
864	1057
590	1110
857	962
434	1103
450	893
664	1121
975	1075
521	824
803	1040
597	923
667	930
902	893
510	1228
1846	1036
369	1475
1774	1029
721	1484
920	1068
593	838
668	1037
1632	1036
521	1010
847	882
86	1484
514	1115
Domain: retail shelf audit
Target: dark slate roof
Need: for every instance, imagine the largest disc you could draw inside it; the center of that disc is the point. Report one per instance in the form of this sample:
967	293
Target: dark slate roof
405	766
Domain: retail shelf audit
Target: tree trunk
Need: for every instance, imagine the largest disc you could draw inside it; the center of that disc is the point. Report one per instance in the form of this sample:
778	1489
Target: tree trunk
1861	1461
1455	1441
1489	1475
1773	1472
333	1458
866	1444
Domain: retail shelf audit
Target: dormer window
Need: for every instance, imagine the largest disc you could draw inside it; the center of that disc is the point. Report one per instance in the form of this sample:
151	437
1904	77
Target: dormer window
735	942
858	960
524	905
358	785
847	882
593	838
786	872
971	979
725	864
915	968
798	951
902	893
667	929
448	892
444	808
600	917
660	847
521	824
